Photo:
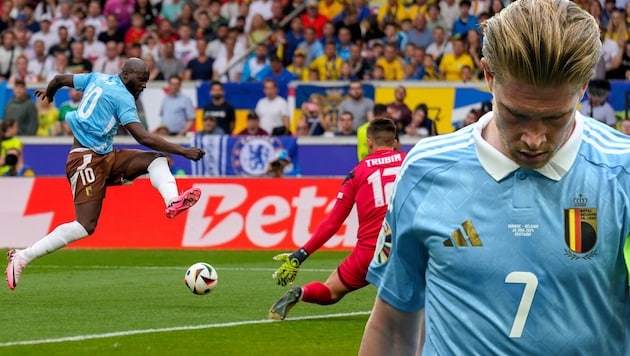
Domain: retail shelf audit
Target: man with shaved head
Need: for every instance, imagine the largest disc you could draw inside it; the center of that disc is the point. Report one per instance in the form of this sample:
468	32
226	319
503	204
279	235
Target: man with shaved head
94	164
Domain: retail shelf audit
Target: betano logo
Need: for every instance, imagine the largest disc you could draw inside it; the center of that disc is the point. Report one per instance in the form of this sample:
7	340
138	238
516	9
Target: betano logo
460	240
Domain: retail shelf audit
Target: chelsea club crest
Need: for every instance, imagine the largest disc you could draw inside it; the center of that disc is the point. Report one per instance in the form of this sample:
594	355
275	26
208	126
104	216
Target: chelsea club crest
251	154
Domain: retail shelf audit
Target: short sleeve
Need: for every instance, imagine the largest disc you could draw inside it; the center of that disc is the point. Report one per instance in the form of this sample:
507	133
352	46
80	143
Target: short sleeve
81	81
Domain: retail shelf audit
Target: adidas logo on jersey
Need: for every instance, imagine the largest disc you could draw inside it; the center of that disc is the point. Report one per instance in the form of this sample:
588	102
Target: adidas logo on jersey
460	240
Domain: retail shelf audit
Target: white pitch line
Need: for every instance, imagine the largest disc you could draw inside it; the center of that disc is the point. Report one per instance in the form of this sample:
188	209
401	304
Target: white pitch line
219	268
175	328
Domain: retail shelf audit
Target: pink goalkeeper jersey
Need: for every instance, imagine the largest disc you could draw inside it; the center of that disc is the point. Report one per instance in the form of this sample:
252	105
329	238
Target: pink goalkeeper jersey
369	185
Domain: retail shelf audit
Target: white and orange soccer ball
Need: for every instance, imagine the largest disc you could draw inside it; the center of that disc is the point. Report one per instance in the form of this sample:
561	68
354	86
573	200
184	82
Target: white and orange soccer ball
201	278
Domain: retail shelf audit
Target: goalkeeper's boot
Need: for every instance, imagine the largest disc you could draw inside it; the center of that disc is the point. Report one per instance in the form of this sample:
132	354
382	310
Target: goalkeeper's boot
279	310
14	268
184	202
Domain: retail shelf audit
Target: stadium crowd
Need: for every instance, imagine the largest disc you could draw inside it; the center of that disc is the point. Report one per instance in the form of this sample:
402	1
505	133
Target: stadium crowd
265	40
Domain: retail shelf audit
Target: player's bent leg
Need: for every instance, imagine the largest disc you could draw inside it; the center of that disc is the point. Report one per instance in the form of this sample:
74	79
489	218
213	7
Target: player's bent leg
281	308
336	287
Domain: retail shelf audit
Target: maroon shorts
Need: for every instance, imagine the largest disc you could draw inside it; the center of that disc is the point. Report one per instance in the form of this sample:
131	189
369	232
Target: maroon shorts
90	173
353	269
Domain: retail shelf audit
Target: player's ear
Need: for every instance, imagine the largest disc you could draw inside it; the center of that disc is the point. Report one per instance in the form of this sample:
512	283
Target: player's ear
488	74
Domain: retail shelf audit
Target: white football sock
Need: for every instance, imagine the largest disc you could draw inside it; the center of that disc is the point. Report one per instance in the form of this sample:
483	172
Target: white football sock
58	238
162	179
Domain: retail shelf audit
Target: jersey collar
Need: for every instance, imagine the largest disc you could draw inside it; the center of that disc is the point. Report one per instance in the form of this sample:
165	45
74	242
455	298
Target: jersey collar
499	166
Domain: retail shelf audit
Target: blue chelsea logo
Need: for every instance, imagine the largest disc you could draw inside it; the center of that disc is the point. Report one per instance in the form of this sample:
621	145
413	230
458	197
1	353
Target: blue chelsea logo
251	154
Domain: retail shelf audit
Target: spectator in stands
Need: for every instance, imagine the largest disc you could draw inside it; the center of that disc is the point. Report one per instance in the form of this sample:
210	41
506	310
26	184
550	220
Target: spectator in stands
344	44
258	30
398	110
415	8
64	44
65	18
28	11
93	49
46	9
171	10
112	62
9	53
8	132
243	17
41	64
277	16
62	128
624	126
610	51
392	12
468	75
210	127
440	45
411	71
293	37
202	28
479	6
276	167
60	67
359	106
311	46
262	7
220	109
360	66
350	20
48	116
427	70
22	43
113	33
621	64
329	34
313	19
200	67
298	67
21	72
394	37
609	7
166	32
345	125
346	72
136	32
328	66
466	21
169	64
617	30
421	125
14	164
45	35
420	35
301	128
154	70
434	18
133	50
22	109
391	63
275	70
214	15
273	110
95	17
378	73
226	68
314	114
185	47
177	111
449	10
472	116
77	63
451	64
253	126
151	44
495	7
255	63
330	8
229	9
186	18
597	105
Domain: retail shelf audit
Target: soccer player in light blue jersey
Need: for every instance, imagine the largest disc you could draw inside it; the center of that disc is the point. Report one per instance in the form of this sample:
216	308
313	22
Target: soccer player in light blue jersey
93	164
509	235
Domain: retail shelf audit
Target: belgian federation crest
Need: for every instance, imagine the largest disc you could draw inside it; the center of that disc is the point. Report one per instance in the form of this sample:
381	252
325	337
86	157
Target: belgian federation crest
383	244
580	232
251	154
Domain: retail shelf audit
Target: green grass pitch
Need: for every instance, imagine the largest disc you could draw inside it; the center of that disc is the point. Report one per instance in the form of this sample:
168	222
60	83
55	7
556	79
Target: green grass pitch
134	302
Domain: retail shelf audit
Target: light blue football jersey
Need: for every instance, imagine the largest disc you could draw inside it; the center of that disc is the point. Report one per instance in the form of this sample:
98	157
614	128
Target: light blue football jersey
106	104
510	261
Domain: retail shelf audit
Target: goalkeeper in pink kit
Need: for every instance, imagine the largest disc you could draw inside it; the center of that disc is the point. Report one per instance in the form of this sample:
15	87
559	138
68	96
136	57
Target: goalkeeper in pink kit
368	185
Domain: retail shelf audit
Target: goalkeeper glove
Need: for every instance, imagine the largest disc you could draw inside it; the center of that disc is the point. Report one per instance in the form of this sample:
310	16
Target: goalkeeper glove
287	272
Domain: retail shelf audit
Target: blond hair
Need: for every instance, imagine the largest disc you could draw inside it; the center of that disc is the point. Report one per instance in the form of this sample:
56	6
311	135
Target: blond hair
542	42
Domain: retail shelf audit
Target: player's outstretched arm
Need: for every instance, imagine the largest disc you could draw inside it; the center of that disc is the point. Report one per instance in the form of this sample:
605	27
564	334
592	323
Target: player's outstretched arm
59	81
157	143
390	331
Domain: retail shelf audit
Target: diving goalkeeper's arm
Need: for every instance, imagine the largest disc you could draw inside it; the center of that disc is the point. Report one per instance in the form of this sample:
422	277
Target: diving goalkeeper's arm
291	262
